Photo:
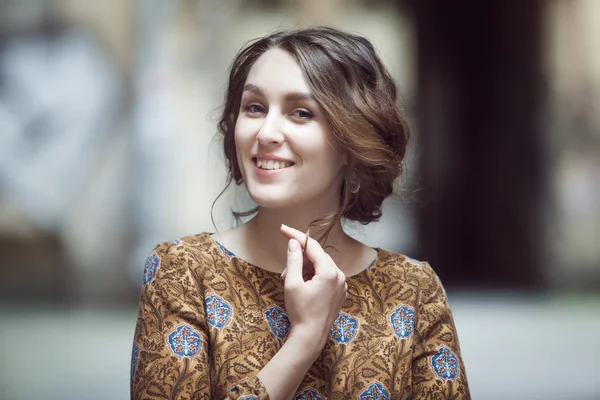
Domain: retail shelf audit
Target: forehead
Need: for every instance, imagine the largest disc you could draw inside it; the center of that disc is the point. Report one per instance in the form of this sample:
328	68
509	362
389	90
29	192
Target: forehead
277	71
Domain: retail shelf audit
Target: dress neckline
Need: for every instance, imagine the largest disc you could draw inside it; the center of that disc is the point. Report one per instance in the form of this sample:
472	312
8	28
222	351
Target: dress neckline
228	253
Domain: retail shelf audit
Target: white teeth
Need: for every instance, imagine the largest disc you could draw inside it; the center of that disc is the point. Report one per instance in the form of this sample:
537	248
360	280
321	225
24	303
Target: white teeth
272	164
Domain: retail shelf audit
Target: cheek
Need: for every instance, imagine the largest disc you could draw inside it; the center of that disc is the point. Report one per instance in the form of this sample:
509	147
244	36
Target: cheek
246	130
242	135
321	149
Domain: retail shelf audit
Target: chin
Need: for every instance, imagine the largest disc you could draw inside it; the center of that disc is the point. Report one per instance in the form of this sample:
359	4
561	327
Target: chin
269	200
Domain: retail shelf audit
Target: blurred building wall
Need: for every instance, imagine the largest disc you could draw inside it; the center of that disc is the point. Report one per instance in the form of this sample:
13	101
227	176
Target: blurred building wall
64	160
572	125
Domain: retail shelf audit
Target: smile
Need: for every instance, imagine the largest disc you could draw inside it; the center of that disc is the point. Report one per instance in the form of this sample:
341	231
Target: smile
271	164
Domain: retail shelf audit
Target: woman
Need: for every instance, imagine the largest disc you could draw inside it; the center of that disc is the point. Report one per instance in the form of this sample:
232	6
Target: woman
312	129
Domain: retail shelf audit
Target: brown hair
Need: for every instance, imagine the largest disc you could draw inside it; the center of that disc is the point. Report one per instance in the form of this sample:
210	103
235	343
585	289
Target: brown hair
359	97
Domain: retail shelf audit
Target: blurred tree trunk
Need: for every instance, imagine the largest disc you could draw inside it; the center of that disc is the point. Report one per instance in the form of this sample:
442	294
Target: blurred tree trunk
480	139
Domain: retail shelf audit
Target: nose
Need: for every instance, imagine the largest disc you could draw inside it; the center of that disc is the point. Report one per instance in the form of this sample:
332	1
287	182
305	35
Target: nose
270	131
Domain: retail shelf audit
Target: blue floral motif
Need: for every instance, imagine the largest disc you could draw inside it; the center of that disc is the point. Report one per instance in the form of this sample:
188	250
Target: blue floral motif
344	328
218	311
224	250
150	268
309	394
234	389
278	321
184	341
177	242
445	363
375	391
135	355
403	321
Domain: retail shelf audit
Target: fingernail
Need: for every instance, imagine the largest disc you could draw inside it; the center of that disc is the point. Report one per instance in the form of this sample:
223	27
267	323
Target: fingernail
285	226
293	245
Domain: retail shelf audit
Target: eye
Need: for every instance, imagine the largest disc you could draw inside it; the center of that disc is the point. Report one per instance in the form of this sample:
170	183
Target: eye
254	109
302	113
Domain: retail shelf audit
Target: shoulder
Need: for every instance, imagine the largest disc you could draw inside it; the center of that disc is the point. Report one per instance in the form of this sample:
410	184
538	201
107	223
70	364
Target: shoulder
185	247
190	253
393	262
417	274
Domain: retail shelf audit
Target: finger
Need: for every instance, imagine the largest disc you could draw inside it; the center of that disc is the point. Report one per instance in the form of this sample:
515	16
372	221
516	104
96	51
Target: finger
313	249
292	233
294	263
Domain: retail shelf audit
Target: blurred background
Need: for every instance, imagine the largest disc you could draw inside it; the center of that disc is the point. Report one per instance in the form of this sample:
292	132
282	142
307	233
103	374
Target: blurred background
108	146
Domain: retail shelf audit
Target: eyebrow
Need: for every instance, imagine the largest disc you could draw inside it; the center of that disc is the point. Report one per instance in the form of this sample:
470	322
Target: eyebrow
248	87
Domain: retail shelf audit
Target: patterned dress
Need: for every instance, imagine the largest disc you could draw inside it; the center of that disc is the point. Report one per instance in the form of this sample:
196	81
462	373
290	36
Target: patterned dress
209	322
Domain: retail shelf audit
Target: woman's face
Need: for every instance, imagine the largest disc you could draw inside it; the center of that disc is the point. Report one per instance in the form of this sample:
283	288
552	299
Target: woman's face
283	139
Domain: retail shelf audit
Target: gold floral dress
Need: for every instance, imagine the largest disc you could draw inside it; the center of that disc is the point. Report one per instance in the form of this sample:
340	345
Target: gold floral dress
208	322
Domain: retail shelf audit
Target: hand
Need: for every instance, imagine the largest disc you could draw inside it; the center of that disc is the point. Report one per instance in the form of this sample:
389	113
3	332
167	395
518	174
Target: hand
311	305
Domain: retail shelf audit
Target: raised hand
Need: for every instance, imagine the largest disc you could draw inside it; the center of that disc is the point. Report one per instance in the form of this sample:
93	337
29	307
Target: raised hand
311	305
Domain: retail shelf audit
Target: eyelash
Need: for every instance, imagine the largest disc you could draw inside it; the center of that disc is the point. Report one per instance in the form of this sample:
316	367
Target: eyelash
256	109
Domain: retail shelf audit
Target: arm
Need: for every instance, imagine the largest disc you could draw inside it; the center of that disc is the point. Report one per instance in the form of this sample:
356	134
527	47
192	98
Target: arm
437	366
170	350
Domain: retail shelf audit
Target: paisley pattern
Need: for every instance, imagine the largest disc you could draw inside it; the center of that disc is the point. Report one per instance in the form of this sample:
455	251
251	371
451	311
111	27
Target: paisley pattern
150	268
445	363
278	321
209	322
218	311
403	321
344	328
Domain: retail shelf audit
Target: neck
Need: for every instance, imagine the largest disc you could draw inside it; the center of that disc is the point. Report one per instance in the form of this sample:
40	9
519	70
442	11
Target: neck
264	236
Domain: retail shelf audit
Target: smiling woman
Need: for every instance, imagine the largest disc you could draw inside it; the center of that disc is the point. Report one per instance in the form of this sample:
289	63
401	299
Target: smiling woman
312	130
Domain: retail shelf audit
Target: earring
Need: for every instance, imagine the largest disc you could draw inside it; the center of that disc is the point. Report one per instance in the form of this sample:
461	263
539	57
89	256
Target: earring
354	185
